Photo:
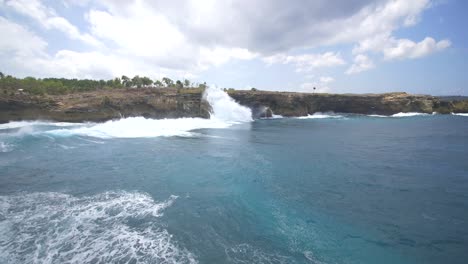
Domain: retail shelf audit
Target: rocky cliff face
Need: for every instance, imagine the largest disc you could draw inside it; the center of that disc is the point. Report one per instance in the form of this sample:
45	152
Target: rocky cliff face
104	105
171	103
300	104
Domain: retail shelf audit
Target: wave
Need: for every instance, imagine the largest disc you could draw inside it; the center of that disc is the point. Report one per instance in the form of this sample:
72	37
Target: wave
21	124
377	116
460	114
273	117
111	227
320	115
139	127
409	114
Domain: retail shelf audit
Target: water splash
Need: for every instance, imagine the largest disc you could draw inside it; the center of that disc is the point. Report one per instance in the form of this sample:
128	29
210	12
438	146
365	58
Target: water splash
224	107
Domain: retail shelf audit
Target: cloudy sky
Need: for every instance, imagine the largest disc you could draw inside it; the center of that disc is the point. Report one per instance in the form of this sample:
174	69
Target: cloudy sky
343	46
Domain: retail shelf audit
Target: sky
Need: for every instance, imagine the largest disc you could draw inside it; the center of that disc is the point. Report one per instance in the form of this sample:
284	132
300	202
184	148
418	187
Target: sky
336	46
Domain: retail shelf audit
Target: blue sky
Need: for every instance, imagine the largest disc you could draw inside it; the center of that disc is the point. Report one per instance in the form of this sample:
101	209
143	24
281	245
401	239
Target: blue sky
358	46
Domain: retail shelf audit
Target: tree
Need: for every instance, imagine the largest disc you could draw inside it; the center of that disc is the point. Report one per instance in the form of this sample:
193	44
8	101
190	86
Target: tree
2	75
117	82
168	82
146	81
314	89
158	83
137	81
179	84
254	89
186	83
202	85
126	81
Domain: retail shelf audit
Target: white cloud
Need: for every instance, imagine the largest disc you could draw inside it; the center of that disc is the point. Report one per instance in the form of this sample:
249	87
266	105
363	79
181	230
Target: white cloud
405	48
47	18
361	63
326	79
307	62
24	53
186	37
163	45
16	40
393	48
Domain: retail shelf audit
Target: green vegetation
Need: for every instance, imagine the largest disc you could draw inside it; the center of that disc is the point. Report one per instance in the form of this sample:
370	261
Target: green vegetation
54	86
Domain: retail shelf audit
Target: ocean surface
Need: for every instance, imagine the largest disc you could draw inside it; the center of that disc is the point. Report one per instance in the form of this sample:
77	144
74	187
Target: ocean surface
326	188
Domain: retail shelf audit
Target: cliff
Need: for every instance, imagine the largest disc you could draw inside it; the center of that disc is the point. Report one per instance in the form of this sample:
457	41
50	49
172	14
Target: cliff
172	103
301	104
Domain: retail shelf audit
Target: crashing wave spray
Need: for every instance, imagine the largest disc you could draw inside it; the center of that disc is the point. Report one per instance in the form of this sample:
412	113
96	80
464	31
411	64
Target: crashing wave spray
224	107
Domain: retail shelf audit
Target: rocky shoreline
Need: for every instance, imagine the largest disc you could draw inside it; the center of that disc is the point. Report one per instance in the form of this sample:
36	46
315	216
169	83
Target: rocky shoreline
103	105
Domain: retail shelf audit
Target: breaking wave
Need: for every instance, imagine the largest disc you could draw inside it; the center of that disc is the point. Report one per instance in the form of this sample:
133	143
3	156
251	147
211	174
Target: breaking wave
460	114
409	114
21	124
320	115
112	227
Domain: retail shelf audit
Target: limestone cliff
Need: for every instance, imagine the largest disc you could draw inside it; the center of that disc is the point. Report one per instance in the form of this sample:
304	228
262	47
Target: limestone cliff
172	103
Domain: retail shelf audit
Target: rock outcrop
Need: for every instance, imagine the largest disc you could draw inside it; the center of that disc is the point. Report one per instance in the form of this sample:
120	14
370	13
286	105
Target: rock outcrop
172	103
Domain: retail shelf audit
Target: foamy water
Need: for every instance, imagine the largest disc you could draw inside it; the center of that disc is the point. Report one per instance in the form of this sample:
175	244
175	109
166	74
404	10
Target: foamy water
20	124
460	114
320	115
112	227
409	114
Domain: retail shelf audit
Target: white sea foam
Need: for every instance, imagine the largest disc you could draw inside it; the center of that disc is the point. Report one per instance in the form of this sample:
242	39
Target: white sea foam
21	124
320	115
5	147
273	117
409	114
460	114
137	127
276	116
377	116
113	227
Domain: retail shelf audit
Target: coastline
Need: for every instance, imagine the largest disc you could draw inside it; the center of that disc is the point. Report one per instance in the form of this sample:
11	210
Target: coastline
104	105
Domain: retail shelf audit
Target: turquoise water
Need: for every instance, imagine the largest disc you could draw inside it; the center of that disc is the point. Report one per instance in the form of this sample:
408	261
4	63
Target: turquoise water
337	189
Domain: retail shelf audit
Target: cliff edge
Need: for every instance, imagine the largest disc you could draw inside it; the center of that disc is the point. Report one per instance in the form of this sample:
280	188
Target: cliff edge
105	105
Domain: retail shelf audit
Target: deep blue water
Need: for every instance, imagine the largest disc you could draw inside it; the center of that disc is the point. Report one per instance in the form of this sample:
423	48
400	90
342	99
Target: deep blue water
334	190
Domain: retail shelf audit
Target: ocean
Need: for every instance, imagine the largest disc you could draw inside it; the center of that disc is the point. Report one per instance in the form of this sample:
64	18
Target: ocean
326	188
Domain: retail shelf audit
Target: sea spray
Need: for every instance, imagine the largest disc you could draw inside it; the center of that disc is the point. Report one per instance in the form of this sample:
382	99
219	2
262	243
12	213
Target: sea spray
224	107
